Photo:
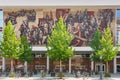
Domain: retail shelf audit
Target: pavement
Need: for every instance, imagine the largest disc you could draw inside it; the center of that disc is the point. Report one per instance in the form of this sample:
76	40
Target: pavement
50	78
69	77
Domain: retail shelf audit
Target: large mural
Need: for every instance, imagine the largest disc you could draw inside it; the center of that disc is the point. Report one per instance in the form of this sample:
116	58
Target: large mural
37	23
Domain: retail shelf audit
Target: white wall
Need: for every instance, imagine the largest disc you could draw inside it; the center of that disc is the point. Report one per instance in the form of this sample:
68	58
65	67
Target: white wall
59	3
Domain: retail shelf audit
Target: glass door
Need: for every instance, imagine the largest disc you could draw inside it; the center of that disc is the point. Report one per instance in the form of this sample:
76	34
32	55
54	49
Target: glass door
98	67
118	68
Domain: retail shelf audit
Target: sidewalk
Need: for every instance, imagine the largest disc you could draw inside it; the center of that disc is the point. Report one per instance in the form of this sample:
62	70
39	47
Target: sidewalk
51	78
68	77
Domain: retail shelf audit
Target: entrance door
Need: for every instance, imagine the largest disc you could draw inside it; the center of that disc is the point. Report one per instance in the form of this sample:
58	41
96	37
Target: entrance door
118	68
98	67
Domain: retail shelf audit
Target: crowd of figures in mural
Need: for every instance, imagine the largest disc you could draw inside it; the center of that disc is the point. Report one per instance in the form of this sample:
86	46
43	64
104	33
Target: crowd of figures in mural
81	24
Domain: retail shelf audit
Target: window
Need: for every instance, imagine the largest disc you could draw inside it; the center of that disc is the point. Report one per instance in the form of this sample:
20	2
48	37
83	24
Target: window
80	67
58	67
40	55
118	67
40	67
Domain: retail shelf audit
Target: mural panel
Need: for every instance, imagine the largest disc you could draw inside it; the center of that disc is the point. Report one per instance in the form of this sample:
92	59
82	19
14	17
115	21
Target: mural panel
37	23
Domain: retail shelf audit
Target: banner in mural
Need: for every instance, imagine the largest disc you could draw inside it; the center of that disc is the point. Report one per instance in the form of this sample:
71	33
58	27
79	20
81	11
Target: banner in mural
37	24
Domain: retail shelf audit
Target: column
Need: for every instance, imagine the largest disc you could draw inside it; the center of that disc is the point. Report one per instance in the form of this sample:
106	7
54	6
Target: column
69	65
114	66
25	66
3	64
92	65
47	63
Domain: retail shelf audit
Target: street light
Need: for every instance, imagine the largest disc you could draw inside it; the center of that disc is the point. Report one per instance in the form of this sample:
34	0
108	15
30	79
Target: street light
101	74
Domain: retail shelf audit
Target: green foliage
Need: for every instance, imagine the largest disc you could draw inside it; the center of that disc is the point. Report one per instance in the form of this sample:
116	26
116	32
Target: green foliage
103	46
27	54
43	74
107	74
60	75
10	45
58	43
95	45
12	75
96	72
108	51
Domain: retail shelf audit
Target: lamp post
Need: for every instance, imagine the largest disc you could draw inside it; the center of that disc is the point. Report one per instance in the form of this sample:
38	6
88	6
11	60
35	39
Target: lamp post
101	71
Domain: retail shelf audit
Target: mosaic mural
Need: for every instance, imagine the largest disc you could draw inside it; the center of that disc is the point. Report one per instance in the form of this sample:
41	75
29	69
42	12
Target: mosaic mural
36	24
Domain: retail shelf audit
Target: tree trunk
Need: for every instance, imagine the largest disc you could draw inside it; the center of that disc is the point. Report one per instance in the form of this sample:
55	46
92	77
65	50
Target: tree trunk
107	67
12	67
60	66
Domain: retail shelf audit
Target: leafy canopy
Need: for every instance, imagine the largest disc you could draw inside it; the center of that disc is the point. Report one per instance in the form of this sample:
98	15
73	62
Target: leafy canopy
96	46
10	44
27	54
58	43
108	51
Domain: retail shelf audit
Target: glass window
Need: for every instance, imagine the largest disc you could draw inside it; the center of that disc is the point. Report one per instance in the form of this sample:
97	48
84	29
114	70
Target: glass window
40	55
58	67
118	13
1	18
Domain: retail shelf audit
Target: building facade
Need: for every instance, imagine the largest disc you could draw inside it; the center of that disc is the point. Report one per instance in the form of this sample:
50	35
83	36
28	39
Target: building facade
37	22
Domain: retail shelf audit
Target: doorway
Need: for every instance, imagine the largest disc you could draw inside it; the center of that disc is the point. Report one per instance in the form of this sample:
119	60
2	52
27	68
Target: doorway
98	67
118	68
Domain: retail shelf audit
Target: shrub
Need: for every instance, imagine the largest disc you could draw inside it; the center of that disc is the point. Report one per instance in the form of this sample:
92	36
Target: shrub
60	75
107	74
43	74
96	73
12	75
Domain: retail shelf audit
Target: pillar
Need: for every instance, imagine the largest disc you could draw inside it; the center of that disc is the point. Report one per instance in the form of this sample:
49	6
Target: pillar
69	65
25	66
47	63
92	65
3	64
114	66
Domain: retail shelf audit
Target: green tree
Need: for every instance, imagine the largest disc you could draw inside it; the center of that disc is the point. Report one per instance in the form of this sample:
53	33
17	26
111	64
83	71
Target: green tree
108	51
27	54
10	45
95	45
58	43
